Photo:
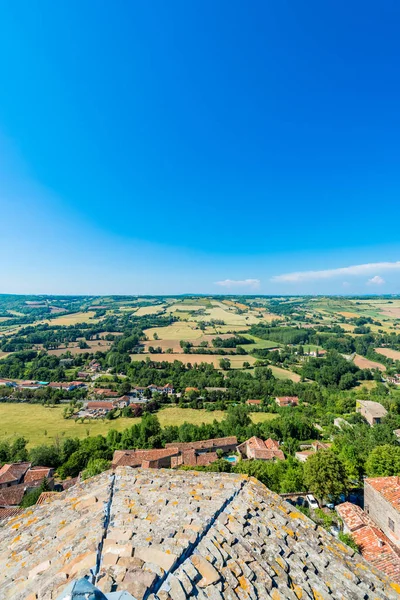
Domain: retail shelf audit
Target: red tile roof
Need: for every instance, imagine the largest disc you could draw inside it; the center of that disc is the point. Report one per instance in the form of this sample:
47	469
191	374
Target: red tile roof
46	497
13	472
388	487
205	444
287	400
37	474
135	458
5	513
253	402
375	547
100	405
262	450
69	483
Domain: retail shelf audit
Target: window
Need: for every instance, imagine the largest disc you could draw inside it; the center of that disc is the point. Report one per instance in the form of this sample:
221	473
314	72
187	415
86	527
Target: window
391	524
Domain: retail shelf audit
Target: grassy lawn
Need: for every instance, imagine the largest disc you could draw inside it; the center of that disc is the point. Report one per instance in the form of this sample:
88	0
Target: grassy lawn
262	417
33	421
283	373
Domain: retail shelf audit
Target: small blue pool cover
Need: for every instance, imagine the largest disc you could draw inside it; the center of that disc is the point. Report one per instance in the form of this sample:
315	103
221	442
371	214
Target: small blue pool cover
82	590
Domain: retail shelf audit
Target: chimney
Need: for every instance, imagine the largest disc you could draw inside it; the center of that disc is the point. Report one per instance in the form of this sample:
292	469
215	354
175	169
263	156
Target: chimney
381	543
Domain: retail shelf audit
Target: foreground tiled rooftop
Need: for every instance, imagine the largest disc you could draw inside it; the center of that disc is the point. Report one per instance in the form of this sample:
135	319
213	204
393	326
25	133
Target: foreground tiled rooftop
173	535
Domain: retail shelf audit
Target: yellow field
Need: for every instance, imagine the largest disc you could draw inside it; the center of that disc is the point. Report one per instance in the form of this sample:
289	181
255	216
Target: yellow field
149	310
236	361
222	312
177	331
389	353
73	319
184	307
40	425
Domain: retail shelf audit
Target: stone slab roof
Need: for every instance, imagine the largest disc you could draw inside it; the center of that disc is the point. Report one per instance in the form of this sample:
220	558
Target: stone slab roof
173	535
374	408
205	444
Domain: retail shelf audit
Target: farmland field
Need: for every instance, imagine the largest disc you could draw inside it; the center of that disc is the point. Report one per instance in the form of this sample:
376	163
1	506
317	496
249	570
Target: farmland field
284	374
40	425
149	310
365	363
389	353
94	346
212	359
73	319
177	331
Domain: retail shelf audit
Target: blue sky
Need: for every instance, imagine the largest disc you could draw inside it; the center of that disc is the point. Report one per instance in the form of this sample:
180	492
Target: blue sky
206	146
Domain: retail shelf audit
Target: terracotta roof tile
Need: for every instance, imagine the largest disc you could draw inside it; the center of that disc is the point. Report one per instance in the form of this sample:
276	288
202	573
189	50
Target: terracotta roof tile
375	547
204	444
10	473
12	495
388	487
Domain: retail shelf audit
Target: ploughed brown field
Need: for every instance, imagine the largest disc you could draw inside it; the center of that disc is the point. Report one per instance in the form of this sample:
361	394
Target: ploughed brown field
389	353
365	363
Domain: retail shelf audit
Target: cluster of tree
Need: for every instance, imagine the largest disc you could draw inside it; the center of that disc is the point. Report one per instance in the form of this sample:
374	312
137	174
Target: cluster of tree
231	342
282	335
333	370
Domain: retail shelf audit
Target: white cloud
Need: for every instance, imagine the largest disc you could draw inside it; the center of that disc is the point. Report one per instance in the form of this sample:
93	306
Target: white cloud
377	280
251	283
345	284
355	270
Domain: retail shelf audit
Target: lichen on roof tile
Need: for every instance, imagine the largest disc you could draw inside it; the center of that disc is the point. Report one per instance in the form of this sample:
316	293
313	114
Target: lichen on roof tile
179	534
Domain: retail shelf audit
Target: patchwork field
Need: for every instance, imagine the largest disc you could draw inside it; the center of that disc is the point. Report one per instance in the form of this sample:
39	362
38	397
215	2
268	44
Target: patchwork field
365	363
73	319
221	312
40	425
175	344
177	331
389	353
284	374
94	346
236	361
149	310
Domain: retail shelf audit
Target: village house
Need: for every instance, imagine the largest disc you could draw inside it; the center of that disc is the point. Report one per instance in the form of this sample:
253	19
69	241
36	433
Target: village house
226	444
146	459
283	401
99	407
253	402
374	545
105	392
16	479
258	449
95	366
201	453
382	504
373	412
13	473
307	450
